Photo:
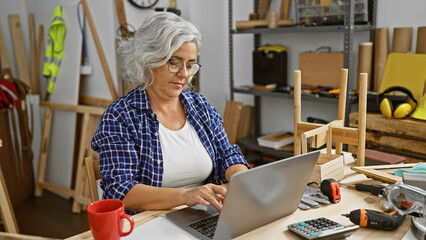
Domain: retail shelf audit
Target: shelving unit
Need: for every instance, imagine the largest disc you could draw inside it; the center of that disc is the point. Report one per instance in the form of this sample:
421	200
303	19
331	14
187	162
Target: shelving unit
348	28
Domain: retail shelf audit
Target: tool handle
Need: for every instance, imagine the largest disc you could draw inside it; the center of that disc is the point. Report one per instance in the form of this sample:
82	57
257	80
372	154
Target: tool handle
374	189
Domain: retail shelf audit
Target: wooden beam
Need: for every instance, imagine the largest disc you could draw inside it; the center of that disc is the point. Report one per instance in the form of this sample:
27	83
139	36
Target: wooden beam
398	143
77	108
100	51
19	48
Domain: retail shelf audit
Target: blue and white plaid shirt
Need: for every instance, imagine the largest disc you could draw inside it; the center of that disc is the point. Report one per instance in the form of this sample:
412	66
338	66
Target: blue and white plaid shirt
128	144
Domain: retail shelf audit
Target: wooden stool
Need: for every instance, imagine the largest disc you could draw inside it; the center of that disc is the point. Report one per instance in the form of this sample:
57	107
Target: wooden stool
338	132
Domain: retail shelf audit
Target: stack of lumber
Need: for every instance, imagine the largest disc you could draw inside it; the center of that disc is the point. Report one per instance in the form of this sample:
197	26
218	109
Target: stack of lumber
405	137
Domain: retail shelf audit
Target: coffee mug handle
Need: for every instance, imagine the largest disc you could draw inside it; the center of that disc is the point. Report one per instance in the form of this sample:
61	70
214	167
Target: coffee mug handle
132	224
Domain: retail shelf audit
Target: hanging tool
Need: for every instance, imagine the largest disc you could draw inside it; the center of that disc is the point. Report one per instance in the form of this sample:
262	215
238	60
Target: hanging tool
374	189
331	189
388	220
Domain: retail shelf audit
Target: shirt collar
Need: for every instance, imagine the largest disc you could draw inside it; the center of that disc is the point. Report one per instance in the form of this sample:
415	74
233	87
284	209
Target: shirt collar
139	99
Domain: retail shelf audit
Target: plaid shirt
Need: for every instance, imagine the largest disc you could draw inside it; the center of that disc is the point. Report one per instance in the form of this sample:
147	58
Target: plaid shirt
128	144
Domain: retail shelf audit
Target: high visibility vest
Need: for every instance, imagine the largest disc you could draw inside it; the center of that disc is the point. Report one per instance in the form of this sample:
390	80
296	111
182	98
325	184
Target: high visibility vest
54	49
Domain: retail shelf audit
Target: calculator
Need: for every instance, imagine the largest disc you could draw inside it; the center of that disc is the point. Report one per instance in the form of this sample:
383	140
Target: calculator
322	228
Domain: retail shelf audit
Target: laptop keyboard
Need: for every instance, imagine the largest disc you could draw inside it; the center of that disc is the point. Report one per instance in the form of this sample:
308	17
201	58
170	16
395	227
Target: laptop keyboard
206	226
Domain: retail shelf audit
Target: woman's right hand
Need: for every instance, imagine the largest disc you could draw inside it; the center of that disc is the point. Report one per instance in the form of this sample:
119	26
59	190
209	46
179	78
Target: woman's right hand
206	195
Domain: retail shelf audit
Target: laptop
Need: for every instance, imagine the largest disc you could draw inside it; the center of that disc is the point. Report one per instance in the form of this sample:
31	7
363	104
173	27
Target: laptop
255	198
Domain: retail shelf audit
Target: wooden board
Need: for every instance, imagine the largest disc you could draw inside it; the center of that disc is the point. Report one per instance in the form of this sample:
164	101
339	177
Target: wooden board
383	172
231	119
33	48
321	69
397	143
19	48
3	52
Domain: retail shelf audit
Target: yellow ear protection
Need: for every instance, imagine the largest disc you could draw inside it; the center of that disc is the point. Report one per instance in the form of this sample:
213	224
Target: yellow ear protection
400	110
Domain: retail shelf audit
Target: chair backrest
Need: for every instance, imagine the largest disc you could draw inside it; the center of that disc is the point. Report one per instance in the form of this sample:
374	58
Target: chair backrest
93	174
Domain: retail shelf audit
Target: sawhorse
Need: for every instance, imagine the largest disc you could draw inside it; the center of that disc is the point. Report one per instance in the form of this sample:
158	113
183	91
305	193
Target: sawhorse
90	115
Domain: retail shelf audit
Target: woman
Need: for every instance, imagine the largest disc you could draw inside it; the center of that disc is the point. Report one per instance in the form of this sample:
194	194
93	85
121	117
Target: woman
161	145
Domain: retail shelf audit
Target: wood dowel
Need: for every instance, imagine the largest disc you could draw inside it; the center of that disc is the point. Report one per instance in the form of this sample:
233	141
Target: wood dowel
297	109
342	102
362	119
100	51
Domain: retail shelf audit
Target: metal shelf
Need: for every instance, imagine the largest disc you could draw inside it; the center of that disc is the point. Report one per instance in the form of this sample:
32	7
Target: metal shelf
250	142
247	90
307	29
348	29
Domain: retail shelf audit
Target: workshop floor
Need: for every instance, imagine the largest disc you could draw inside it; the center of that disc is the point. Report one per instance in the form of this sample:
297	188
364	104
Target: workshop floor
49	216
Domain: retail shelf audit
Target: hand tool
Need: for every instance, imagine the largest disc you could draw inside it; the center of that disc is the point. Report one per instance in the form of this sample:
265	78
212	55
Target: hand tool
374	189
387	220
331	189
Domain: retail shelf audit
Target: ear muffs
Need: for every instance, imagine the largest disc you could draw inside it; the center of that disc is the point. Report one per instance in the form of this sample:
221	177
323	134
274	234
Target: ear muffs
399	111
386	108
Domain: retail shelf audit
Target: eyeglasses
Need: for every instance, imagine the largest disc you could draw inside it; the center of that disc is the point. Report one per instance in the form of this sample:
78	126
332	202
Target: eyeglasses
176	65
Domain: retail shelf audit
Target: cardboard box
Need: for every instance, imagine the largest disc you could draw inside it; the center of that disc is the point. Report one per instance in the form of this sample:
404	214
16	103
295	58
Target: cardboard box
321	69
328	167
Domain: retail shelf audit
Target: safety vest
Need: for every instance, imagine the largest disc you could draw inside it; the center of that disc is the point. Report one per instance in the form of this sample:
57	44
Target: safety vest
54	49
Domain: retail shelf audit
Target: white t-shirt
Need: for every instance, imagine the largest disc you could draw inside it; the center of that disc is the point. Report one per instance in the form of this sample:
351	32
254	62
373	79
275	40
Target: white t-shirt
186	163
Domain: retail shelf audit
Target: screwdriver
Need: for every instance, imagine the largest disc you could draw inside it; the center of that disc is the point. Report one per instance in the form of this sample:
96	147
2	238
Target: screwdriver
388	220
374	189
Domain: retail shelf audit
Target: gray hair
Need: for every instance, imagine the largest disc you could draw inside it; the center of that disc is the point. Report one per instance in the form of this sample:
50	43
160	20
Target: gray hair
159	36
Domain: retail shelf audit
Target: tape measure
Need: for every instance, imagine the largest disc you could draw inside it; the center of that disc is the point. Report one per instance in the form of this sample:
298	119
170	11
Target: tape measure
331	189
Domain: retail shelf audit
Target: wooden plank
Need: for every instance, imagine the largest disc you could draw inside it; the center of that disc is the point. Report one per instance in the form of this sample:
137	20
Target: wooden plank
100	51
87	100
77	108
245	127
80	176
231	119
36	75
33	48
345	135
401	144
383	172
57	189
264	8
19	48
403	127
4	59
7	213
285	6
45	137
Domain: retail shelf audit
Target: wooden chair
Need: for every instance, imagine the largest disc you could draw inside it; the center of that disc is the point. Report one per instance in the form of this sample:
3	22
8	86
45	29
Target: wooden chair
93	174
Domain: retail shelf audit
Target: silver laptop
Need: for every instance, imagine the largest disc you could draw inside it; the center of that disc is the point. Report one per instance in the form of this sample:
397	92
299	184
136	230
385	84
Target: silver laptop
255	197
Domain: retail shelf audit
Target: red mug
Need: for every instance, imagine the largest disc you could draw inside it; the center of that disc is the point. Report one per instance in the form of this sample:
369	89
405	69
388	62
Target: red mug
106	219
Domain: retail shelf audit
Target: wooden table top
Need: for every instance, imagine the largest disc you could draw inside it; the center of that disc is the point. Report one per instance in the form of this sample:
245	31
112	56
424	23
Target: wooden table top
350	200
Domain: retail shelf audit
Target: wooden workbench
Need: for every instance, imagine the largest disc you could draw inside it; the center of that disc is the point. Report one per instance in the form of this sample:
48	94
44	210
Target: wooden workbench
351	200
